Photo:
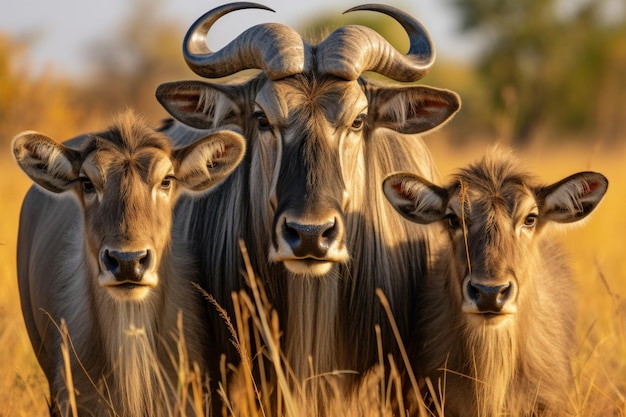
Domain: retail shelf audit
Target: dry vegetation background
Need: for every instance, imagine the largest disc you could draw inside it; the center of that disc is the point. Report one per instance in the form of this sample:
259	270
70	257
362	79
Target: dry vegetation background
552	145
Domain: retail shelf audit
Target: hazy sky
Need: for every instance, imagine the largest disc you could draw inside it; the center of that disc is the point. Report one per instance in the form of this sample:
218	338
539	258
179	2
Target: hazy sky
63	29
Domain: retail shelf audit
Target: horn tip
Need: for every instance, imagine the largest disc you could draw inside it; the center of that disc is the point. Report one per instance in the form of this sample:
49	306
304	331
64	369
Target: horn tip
372	7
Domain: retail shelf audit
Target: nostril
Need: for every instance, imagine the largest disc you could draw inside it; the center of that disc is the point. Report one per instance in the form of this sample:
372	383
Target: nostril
110	262
489	297
291	234
310	240
331	231
144	263
505	292
127	266
473	293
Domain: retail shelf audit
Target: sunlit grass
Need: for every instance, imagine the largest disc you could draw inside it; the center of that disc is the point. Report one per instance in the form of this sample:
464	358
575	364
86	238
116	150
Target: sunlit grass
597	253
596	250
23	388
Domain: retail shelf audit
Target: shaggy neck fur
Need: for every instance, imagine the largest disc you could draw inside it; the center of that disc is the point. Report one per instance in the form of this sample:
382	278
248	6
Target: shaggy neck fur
312	301
492	359
519	367
328	321
132	350
124	349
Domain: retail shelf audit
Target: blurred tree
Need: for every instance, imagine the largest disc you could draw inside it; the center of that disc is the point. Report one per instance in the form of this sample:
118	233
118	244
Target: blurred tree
125	72
542	68
145	52
45	102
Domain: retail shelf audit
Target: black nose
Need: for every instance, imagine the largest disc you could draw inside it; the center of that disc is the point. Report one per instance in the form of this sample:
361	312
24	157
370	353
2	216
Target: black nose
310	240
488	298
127	266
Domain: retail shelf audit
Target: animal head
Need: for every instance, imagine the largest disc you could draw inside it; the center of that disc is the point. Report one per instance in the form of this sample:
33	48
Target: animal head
126	181
496	214
309	118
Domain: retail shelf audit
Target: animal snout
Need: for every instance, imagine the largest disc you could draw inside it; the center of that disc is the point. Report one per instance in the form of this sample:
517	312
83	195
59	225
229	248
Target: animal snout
311	240
309	245
488	298
127	266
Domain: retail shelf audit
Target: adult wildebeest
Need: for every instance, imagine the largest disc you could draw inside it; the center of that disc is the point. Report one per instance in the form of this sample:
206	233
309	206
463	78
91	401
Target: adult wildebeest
103	262
308	204
498	323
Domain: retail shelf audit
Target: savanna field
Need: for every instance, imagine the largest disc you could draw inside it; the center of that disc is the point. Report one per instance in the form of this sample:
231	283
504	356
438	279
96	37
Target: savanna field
596	251
563	101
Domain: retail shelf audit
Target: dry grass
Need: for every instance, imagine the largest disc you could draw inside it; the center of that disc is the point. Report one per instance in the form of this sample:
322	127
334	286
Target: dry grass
597	251
22	384
597	254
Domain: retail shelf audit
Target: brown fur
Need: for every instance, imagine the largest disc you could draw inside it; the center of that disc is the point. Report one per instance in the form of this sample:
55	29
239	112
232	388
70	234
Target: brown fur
516	361
124	356
327	320
309	206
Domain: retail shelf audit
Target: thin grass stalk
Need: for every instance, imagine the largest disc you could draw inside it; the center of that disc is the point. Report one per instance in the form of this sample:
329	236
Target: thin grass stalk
274	349
381	364
69	382
394	377
241	319
405	357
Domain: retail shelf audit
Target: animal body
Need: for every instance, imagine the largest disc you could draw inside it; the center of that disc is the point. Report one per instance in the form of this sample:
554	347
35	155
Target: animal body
308	205
499	315
95	252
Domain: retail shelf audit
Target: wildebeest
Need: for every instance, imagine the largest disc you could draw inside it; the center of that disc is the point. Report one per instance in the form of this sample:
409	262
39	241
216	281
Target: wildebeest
103	263
307	201
499	313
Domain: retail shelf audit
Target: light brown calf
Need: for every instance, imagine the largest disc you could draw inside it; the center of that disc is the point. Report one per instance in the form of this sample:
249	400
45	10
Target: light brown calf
99	256
497	328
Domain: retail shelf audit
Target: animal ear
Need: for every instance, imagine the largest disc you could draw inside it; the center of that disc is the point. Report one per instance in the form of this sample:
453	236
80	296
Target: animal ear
47	162
198	104
573	198
206	162
415	198
412	109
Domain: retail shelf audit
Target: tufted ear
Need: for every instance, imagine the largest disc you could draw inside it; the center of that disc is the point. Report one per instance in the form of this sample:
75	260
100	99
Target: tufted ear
415	198
412	109
199	104
208	161
573	198
47	162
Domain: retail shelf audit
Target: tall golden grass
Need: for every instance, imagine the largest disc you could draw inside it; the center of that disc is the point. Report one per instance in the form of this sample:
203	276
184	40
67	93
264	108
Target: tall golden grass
598	257
597	253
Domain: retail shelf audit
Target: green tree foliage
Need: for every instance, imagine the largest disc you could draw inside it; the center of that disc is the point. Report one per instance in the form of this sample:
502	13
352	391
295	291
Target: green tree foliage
544	69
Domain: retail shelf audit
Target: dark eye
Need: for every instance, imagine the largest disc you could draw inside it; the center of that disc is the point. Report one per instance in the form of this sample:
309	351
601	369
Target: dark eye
453	221
166	184
358	123
530	220
262	121
87	185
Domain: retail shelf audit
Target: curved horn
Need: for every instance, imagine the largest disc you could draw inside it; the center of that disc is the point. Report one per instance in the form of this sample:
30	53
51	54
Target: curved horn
276	49
351	50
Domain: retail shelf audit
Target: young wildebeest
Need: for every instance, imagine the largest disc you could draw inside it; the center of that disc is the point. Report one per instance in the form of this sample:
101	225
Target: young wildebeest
498	323
114	277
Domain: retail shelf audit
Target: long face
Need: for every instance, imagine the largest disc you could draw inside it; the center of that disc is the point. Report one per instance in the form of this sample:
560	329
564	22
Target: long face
314	130
127	180
308	136
493	223
127	201
309	118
